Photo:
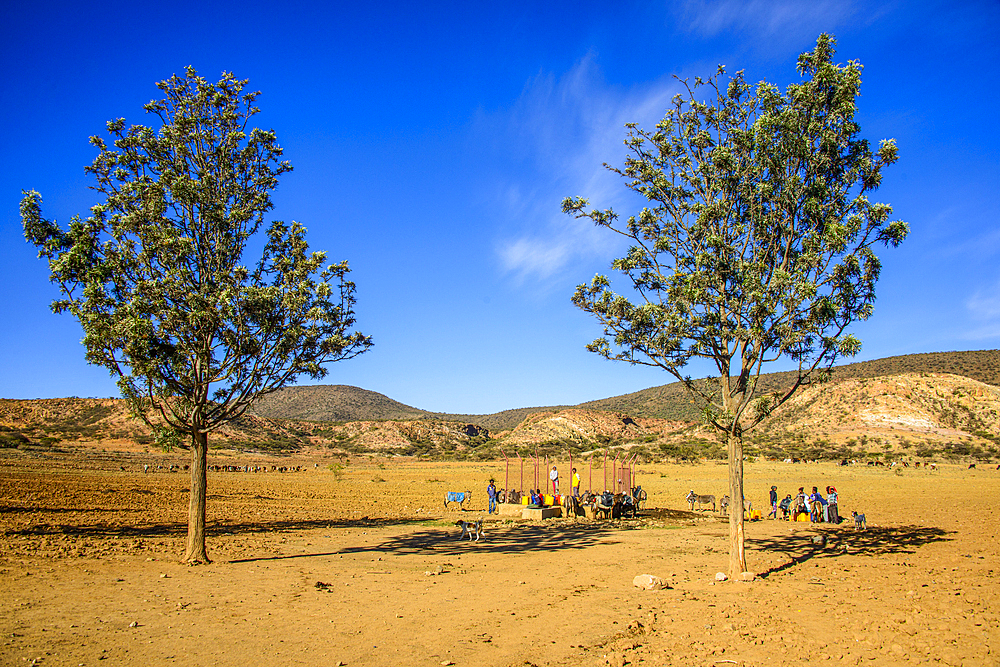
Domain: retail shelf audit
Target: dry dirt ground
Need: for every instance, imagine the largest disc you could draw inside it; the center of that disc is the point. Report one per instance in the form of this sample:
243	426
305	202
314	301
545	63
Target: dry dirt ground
361	565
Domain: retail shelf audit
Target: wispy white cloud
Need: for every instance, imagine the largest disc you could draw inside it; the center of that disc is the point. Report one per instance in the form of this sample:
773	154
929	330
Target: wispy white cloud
984	307
981	245
538	256
782	19
985	332
985	304
561	131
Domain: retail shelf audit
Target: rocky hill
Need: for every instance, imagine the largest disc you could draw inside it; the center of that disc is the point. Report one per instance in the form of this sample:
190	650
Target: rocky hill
344	403
334	403
671	401
63	424
908	414
911	414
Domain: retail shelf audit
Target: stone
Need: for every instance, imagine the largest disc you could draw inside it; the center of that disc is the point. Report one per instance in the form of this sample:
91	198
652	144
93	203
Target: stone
747	576
648	582
721	576
539	513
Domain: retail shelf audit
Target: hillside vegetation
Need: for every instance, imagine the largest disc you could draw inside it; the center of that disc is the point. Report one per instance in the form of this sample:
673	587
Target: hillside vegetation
896	415
671	401
343	403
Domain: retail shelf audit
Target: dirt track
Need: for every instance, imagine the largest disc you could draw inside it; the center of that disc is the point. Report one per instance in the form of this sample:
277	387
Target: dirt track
326	566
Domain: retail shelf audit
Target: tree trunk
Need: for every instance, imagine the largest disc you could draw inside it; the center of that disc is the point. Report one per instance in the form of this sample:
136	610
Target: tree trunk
737	554
196	509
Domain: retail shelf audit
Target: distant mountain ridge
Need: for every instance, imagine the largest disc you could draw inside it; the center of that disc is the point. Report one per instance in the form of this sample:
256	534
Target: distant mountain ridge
671	401
333	403
342	403
886	409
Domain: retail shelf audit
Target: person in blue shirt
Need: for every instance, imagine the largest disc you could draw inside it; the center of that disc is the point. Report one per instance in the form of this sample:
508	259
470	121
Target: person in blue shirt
774	503
491	493
818	514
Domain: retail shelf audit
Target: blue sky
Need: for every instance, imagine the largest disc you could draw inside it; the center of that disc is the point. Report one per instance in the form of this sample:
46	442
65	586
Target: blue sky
432	145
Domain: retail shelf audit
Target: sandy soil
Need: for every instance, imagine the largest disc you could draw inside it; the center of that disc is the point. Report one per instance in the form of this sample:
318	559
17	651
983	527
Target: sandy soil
361	565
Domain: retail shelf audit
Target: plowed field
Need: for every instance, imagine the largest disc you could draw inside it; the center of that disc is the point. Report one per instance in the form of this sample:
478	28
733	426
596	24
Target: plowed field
359	564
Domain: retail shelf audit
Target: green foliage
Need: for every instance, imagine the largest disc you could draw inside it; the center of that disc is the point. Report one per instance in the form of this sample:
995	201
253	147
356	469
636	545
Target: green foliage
166	439
338	470
693	449
758	239
155	274
12	439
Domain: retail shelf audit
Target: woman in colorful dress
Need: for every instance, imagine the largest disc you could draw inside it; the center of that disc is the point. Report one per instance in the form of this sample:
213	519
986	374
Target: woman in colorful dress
831	504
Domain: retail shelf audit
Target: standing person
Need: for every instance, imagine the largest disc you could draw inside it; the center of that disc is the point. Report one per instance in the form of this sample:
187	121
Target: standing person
801	504
785	505
831	504
491	493
575	481
774	503
554	476
818	506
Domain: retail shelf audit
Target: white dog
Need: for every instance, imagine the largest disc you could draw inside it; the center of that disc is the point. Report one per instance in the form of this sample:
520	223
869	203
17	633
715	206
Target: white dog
470	528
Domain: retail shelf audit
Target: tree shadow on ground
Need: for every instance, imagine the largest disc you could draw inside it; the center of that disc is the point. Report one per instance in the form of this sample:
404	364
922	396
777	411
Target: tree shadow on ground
522	538
838	543
665	514
213	529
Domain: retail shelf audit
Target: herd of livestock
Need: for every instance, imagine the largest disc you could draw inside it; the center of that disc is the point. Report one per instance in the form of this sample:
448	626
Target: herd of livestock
173	467
607	504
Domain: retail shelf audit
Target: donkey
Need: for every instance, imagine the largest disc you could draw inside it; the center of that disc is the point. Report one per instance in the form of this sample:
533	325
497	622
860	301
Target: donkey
693	498
457	497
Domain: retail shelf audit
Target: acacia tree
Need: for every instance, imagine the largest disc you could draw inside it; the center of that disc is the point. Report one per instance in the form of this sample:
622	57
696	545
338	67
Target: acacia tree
155	278
756	245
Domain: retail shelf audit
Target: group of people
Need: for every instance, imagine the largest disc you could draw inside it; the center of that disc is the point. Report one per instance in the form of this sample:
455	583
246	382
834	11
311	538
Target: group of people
554	478
536	495
819	508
